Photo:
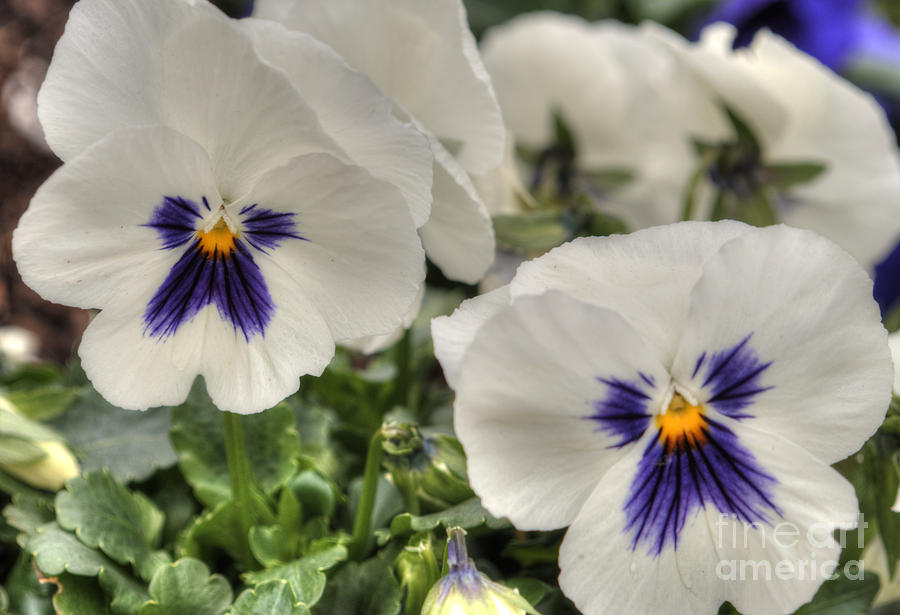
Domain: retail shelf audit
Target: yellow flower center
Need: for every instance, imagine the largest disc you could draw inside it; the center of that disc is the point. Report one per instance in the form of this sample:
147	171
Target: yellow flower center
217	239
681	423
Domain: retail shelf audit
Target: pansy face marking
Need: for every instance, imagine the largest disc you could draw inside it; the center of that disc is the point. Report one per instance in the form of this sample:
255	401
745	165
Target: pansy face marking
217	265
693	459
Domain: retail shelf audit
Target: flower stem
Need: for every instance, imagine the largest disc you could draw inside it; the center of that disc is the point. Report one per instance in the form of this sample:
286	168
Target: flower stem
362	525
241	481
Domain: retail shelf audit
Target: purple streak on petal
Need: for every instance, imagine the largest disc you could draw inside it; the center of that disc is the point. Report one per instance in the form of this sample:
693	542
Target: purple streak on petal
232	281
675	480
733	377
265	229
623	412
175	220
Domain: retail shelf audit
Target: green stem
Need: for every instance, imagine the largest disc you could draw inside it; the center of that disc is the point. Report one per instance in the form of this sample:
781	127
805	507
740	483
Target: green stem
241	481
404	370
362	525
409	488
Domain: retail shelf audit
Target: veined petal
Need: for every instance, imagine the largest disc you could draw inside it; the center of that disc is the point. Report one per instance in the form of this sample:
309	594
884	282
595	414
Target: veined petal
245	113
352	111
421	54
761	567
84	240
459	236
103	75
803	308
361	263
646	276
376	343
453	334
530	391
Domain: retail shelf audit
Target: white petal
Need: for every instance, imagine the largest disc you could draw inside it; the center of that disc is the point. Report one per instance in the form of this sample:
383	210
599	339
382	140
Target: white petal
104	72
597	559
248	377
377	343
246	113
453	334
362	263
421	54
459	236
807	307
524	400
547	62
352	111
894	344
83	242
646	276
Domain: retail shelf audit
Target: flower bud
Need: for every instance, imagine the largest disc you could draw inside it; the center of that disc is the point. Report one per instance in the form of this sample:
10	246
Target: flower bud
465	591
49	472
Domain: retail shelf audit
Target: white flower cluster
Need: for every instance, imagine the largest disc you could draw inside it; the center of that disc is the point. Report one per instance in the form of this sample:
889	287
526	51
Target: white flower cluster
239	196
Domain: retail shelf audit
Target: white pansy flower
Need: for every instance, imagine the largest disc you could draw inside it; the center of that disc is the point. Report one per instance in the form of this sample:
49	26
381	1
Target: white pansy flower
205	211
800	112
621	94
676	397
421	54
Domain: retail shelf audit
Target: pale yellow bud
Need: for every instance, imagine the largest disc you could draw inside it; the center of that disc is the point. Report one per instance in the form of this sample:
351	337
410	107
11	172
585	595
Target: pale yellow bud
51	471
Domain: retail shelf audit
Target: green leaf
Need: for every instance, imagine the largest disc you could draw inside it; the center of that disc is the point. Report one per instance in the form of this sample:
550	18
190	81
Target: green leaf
15	425
608	179
31	375
103	513
131	445
788	175
186	588
272	546
467	515
368	588
530	233
79	596
306	575
27	595
843	596
16	451
4	601
881	482
56	552
28	512
271	598
43	402
271	437
532	590
219	528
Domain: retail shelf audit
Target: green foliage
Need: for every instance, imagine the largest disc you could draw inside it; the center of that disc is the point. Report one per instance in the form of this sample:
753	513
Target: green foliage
45	401
104	514
187	588
272	598
843	596
367	588
272	442
131	445
76	596
468	515
306	576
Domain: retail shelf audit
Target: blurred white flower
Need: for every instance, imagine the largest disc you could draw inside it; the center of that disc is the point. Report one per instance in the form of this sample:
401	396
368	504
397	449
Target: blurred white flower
621	94
421	55
674	397
800	112
18	345
205	211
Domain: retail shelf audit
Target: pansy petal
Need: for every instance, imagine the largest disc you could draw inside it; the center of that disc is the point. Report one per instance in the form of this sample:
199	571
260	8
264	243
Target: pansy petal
84	241
376	343
352	111
361	260
453	334
633	275
785	321
245	113
527	392
697	576
247	376
459	236
894	344
102	76
421	54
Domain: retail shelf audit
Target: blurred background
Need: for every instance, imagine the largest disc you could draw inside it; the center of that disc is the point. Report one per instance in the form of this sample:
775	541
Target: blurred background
856	38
